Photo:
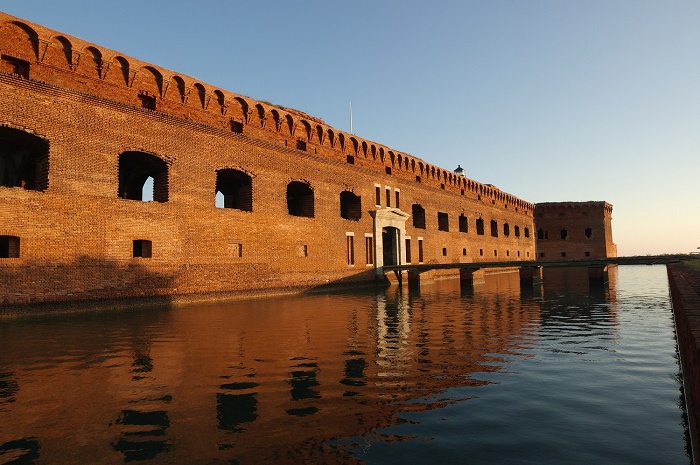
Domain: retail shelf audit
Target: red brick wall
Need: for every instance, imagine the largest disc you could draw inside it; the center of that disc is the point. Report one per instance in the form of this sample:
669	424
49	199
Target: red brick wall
76	235
588	227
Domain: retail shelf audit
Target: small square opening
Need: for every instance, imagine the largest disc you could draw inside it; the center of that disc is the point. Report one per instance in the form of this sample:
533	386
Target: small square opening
142	248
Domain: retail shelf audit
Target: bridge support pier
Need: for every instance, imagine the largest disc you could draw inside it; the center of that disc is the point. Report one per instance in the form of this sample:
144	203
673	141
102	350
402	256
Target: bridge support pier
598	275
530	276
466	277
413	279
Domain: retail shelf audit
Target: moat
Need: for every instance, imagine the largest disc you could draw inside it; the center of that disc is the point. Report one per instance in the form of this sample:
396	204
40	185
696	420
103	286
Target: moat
564	374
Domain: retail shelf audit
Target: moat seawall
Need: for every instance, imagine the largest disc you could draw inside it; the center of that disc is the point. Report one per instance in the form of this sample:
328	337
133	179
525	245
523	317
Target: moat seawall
684	282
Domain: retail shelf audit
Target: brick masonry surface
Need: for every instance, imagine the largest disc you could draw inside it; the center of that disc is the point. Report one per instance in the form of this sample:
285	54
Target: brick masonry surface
82	127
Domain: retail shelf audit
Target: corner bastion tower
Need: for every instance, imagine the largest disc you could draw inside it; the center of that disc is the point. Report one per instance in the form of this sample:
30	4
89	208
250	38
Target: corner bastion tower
119	178
571	230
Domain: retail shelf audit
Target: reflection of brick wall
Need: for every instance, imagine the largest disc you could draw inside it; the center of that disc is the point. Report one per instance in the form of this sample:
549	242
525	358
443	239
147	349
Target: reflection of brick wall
77	236
571	230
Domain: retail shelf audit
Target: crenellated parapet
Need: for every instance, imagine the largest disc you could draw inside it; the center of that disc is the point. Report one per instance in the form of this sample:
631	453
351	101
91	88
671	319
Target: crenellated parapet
34	52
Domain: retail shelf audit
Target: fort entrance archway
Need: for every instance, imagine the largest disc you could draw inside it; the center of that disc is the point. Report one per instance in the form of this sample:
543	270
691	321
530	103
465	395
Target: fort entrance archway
389	232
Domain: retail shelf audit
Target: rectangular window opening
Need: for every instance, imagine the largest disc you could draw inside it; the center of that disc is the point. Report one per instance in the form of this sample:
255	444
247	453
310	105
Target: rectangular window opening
350	159
147	101
408	250
397	198
443	222
301	145
387	169
464	251
369	250
15	66
9	247
377	196
236	126
420	250
417	178
142	248
351	249
388	197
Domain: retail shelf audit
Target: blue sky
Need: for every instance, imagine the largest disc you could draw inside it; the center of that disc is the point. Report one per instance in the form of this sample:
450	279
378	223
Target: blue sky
552	100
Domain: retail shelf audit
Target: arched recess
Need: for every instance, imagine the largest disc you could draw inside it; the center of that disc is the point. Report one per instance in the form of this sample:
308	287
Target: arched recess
234	189
24	160
307	130
201	95
149	80
506	229
60	53
135	168
123	71
341	140
177	89
276	119
355	145
239	109
300	199
260	115
289	124
19	40
350	206
94	64
320	133
331	138
364	148
220	101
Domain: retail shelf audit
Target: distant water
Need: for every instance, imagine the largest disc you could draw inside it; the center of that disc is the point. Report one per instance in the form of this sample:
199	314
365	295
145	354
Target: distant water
565	374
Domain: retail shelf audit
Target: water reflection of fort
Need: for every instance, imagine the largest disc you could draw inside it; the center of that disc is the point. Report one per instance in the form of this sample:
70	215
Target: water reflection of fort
257	381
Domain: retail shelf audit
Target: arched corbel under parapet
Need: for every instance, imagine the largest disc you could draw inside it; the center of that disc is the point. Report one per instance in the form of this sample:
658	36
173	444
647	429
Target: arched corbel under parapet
260	116
125	75
19	40
239	109
96	65
176	88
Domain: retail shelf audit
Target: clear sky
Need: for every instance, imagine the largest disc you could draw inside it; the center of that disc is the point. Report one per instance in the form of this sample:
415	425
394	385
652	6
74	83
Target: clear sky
550	100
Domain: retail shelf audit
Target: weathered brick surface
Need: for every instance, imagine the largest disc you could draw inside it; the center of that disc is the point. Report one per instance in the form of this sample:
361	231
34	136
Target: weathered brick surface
684	283
76	235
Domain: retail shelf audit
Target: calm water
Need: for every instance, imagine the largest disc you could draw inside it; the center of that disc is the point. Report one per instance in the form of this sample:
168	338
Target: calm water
563	375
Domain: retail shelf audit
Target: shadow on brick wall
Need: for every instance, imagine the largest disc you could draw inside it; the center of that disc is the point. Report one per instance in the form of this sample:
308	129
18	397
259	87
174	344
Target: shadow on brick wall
116	283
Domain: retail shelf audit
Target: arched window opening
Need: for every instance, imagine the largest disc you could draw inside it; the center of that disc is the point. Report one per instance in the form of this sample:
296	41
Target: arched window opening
506	229
527	232
234	189
418	214
350	206
300	199
517	231
564	233
494	228
24	160
480	226
134	170
588	232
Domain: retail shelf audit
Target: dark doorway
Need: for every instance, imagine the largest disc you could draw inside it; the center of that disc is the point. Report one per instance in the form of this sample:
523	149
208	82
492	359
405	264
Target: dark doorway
390	248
